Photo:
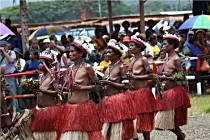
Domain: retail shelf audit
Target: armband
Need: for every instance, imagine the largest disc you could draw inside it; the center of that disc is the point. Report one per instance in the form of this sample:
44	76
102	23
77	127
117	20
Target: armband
179	76
125	81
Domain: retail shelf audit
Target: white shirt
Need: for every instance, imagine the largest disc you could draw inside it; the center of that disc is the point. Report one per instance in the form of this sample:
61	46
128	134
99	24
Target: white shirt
21	62
148	50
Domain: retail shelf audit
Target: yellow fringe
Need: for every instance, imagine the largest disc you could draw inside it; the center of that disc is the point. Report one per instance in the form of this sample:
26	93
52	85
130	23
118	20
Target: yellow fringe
165	120
74	135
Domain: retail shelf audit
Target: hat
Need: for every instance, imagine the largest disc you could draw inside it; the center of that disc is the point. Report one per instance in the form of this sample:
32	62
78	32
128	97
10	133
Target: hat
17	50
126	39
137	40
3	43
190	33
84	44
67	49
123	33
199	31
46	41
115	46
171	36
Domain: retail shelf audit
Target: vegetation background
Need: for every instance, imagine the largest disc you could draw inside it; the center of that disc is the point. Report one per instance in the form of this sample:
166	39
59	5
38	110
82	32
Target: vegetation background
63	10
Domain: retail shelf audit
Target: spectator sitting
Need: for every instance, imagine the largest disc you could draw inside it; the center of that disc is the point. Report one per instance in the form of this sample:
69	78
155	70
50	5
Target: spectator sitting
190	35
126	54
202	44
208	38
116	32
126	24
138	29
155	48
64	41
99	41
182	49
194	50
105	62
34	46
70	39
32	64
150	31
20	63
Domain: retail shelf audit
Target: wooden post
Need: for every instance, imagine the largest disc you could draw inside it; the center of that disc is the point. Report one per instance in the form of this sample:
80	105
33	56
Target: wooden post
110	17
24	24
142	23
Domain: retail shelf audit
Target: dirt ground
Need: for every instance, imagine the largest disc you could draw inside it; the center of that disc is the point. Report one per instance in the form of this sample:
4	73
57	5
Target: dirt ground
198	128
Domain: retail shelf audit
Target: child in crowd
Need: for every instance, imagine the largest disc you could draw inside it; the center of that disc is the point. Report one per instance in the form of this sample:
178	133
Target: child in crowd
161	58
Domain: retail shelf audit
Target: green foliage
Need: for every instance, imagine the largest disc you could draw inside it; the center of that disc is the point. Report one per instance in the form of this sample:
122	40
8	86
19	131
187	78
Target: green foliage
51	11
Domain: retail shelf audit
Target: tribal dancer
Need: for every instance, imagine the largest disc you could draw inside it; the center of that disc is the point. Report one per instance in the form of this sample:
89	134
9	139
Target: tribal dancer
79	119
173	103
116	110
47	112
138	73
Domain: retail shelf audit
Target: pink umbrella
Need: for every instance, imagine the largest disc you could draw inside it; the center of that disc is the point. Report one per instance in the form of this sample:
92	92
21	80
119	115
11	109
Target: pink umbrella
5	30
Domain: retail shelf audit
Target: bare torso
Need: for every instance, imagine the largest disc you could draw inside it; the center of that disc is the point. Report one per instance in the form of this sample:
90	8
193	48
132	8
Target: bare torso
169	68
137	67
81	78
43	99
113	74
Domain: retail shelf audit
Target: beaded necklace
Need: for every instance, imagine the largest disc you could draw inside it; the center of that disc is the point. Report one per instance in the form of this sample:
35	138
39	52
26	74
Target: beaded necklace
72	77
110	70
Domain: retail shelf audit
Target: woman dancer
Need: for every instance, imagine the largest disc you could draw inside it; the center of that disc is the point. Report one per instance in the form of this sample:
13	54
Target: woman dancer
173	103
47	112
80	120
139	72
116	110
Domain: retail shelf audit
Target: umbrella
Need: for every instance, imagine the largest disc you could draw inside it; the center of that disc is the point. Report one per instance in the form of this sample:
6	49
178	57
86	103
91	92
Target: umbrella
196	22
47	30
5	30
160	23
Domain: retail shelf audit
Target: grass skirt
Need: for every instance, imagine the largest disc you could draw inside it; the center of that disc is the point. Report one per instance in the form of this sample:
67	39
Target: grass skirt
117	112
173	108
116	108
45	119
145	105
81	121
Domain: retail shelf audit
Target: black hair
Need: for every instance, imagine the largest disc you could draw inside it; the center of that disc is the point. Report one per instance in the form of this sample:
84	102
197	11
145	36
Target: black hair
152	37
63	37
172	42
52	37
186	16
117	25
115	51
35	52
79	50
150	21
33	39
70	36
193	39
97	30
139	46
8	20
125	22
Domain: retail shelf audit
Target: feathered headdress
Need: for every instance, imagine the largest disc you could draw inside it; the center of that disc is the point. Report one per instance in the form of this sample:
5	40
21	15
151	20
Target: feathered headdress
83	43
113	44
139	41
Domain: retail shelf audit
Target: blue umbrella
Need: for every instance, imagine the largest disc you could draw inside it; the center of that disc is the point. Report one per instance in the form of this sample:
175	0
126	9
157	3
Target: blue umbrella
47	30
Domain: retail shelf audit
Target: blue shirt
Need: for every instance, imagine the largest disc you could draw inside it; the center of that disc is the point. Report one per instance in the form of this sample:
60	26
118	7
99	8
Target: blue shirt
194	51
10	67
29	66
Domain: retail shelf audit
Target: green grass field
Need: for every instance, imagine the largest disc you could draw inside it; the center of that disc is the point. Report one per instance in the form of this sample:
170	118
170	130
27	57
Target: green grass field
200	104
